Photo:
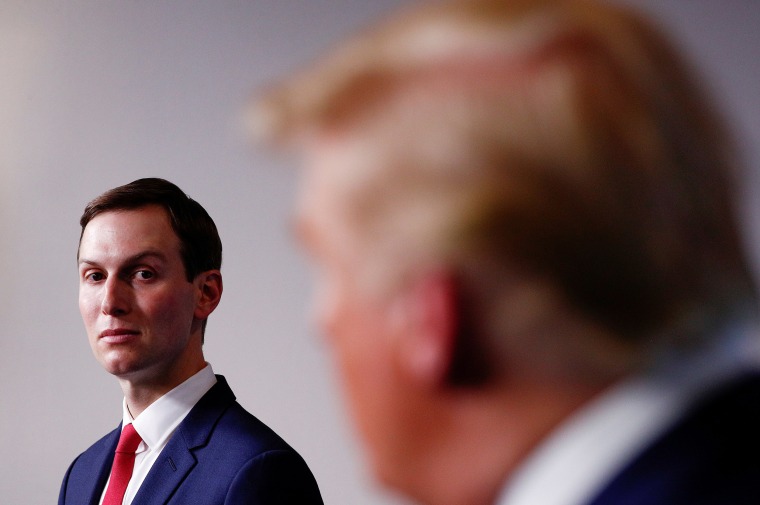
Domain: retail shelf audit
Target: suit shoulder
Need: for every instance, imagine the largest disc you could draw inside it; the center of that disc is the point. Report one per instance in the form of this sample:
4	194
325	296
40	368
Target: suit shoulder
245	459
239	427
276	476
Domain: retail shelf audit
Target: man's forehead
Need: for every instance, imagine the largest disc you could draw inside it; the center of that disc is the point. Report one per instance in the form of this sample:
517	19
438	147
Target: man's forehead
138	257
150	217
321	222
133	230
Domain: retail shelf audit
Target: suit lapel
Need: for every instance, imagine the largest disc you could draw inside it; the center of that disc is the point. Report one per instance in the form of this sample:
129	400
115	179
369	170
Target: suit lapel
100	468
172	467
177	460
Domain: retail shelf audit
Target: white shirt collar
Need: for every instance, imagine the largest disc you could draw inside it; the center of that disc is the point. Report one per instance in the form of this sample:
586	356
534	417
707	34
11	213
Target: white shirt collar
157	422
591	447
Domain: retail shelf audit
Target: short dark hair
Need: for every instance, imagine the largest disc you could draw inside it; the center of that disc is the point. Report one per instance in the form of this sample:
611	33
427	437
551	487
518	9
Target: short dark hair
200	245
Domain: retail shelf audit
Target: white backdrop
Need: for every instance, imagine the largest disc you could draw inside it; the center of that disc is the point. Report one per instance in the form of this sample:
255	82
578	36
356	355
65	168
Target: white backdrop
94	94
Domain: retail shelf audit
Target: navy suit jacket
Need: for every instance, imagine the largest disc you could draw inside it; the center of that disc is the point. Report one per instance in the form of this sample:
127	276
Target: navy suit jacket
219	454
711	457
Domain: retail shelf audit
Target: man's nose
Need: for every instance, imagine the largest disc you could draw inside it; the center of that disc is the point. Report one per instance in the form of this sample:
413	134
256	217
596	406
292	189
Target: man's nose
115	299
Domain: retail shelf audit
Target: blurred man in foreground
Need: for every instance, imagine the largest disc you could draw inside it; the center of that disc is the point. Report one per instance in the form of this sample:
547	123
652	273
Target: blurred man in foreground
530	271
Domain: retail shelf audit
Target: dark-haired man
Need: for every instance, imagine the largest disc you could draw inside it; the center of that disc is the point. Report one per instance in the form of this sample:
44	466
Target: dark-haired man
149	276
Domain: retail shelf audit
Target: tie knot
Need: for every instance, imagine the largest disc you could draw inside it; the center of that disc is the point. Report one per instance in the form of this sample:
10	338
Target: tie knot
129	440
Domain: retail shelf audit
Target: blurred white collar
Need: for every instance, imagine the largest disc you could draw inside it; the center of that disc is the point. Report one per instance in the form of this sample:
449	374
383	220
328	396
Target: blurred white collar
575	462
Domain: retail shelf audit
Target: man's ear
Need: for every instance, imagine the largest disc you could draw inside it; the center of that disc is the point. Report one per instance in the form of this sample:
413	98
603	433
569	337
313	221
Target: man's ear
428	311
209	286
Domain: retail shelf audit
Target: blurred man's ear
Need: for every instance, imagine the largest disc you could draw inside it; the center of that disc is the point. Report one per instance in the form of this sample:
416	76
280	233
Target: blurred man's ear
428	314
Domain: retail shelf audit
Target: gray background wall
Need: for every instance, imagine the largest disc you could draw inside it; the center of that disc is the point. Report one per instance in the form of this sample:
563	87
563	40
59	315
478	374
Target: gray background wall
94	94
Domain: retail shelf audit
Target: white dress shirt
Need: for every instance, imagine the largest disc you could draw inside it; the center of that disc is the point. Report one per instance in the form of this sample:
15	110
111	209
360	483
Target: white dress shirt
575	462
157	423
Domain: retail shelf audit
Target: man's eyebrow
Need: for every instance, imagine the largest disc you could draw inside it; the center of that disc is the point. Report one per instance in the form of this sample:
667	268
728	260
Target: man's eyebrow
132	260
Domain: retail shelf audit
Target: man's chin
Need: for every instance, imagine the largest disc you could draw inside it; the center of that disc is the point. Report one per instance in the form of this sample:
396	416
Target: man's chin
123	370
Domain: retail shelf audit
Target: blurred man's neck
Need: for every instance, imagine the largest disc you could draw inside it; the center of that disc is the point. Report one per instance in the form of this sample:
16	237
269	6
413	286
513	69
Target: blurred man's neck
476	440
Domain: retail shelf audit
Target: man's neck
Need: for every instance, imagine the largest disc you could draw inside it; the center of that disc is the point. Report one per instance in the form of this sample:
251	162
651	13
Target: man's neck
141	392
481	439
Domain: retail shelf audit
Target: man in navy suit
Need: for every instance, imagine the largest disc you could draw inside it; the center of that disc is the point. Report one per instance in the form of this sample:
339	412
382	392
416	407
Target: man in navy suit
530	271
149	259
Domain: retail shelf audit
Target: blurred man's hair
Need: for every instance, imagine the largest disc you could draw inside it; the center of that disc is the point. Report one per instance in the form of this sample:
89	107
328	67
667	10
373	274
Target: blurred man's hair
564	140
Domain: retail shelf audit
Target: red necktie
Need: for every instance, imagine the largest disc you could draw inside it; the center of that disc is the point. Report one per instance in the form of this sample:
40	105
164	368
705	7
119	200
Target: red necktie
123	463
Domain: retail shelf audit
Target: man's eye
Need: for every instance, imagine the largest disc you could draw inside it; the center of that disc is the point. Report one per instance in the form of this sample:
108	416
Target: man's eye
94	276
144	274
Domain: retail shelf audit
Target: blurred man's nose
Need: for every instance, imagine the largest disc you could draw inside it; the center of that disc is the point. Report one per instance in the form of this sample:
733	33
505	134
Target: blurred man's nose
323	312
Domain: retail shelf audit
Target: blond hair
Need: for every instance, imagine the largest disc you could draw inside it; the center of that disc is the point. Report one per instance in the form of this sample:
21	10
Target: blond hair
566	139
